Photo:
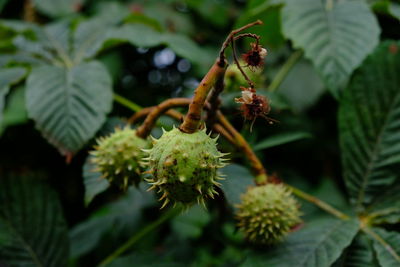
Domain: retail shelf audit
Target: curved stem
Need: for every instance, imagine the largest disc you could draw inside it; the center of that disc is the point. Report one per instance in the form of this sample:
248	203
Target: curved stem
230	36
241	143
178	116
144	130
321	204
137	236
126	103
261	174
250	82
382	241
29	12
192	119
283	72
144	112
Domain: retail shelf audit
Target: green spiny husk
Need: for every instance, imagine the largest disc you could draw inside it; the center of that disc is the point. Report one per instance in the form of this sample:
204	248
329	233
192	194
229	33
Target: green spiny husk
184	167
267	213
118	157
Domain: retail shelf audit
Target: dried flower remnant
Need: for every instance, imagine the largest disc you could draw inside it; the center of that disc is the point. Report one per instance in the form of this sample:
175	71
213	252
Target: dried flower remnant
255	57
254	105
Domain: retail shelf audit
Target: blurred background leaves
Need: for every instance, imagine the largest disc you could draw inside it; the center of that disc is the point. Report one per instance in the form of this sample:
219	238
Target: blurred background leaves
63	62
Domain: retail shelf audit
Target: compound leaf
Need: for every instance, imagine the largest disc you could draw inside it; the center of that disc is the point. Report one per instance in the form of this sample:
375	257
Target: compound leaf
8	77
320	243
369	125
335	35
69	104
388	250
32	228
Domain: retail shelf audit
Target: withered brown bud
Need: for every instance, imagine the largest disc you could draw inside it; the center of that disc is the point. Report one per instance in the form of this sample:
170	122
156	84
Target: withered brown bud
255	56
254	105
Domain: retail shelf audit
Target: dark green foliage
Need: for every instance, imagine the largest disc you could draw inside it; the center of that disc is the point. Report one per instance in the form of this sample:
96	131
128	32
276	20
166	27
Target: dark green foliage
388	253
369	126
332	80
331	35
32	227
319	243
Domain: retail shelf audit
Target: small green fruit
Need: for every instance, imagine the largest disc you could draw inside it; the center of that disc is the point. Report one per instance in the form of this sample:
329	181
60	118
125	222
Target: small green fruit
117	157
184	167
234	78
267	213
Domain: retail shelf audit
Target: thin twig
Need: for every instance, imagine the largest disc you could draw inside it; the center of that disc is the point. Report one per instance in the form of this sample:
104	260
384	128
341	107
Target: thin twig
221	130
233	33
127	103
144	112
250	82
241	143
261	173
178	116
144	130
250	35
321	204
29	12
283	72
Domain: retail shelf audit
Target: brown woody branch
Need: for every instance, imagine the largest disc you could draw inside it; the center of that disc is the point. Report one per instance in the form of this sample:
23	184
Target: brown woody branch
144	130
192	119
241	143
145	111
175	115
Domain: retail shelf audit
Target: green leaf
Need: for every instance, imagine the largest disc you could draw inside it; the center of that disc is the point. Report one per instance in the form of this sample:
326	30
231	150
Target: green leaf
144	260
58	8
335	35
319	243
388	250
280	139
302	86
144	36
69	104
386	207
93	181
387	7
359	254
32	228
190	224
8	77
269	12
121	217
89	37
95	35
15	110
2	4
369	126
236	182
49	43
187	48
214	12
137	35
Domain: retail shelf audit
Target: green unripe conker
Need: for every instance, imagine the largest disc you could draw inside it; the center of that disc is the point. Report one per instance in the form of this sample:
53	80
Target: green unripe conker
184	166
118	157
267	213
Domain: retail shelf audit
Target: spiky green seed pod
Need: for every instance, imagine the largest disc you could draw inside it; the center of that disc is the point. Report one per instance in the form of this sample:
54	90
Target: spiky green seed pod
184	167
118	157
267	213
